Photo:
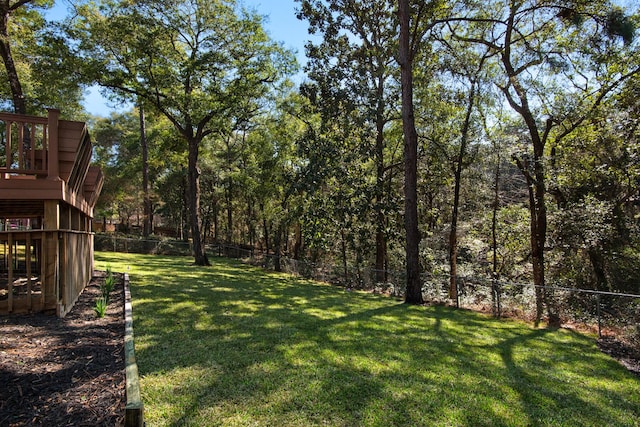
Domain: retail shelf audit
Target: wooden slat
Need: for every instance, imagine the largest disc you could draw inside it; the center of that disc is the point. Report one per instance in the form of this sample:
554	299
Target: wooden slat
32	150
28	261
93	185
45	139
70	135
43	268
7	150
21	146
81	164
51	277
67	156
63	277
10	271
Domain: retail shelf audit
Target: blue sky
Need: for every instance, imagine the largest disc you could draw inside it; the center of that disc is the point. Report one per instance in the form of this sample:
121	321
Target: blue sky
280	22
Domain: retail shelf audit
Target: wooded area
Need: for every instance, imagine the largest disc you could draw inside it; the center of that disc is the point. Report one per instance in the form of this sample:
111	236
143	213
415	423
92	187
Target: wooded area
525	148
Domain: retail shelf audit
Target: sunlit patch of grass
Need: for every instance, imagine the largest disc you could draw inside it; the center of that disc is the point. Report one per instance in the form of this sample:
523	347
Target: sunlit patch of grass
235	345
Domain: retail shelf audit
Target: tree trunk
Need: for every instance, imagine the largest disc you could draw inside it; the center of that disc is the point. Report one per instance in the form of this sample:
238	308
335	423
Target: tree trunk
538	213
535	176
200	256
381	238
147	208
277	242
537	255
299	245
216	221
453	234
184	214
343	253
381	254
414	287
19	104
266	231
250	227
229	210
553	316
495	290
597	263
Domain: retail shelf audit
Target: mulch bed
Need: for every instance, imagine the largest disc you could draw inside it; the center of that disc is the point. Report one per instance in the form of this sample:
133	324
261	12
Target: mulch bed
65	372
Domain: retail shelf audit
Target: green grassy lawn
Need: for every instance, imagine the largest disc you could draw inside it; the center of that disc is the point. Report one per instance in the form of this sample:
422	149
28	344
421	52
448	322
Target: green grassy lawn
233	345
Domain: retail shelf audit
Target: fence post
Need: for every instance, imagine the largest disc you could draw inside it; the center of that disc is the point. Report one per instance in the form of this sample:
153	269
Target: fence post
599	316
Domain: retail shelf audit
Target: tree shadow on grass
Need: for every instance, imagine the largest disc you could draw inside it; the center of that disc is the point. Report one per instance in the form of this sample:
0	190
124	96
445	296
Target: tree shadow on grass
551	384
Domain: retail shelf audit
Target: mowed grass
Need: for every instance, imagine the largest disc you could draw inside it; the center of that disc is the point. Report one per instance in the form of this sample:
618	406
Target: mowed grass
233	345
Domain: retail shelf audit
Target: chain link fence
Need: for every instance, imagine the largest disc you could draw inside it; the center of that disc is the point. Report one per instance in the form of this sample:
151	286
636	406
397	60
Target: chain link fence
604	313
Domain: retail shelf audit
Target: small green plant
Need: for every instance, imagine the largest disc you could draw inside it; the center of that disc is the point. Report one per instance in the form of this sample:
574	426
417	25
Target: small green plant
101	307
108	286
105	290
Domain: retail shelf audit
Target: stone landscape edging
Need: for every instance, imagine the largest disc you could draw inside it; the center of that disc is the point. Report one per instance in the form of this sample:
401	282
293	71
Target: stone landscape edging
134	410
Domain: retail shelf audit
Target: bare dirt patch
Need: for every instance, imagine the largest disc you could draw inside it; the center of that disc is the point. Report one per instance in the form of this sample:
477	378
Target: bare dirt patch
624	353
65	372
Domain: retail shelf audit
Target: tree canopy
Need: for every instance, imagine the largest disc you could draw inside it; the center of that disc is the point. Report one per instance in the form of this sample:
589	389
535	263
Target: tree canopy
181	58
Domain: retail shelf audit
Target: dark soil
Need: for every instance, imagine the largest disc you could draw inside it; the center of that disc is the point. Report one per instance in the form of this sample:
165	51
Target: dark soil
64	372
624	353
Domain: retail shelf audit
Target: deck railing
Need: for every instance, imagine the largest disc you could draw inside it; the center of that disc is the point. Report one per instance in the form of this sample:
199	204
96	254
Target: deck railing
29	146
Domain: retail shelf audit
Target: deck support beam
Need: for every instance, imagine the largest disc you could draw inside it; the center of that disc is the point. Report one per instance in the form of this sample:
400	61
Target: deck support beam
51	252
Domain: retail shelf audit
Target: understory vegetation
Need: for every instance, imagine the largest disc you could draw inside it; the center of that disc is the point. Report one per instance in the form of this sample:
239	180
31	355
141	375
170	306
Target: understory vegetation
233	344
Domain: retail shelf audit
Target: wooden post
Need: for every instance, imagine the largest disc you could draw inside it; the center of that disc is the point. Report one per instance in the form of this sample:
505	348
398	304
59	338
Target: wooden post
63	277
50	245
27	250
10	282
7	149
43	267
21	160
51	215
91	257
53	169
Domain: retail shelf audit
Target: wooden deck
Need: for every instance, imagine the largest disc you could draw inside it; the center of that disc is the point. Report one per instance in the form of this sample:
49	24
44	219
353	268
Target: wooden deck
47	159
46	181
